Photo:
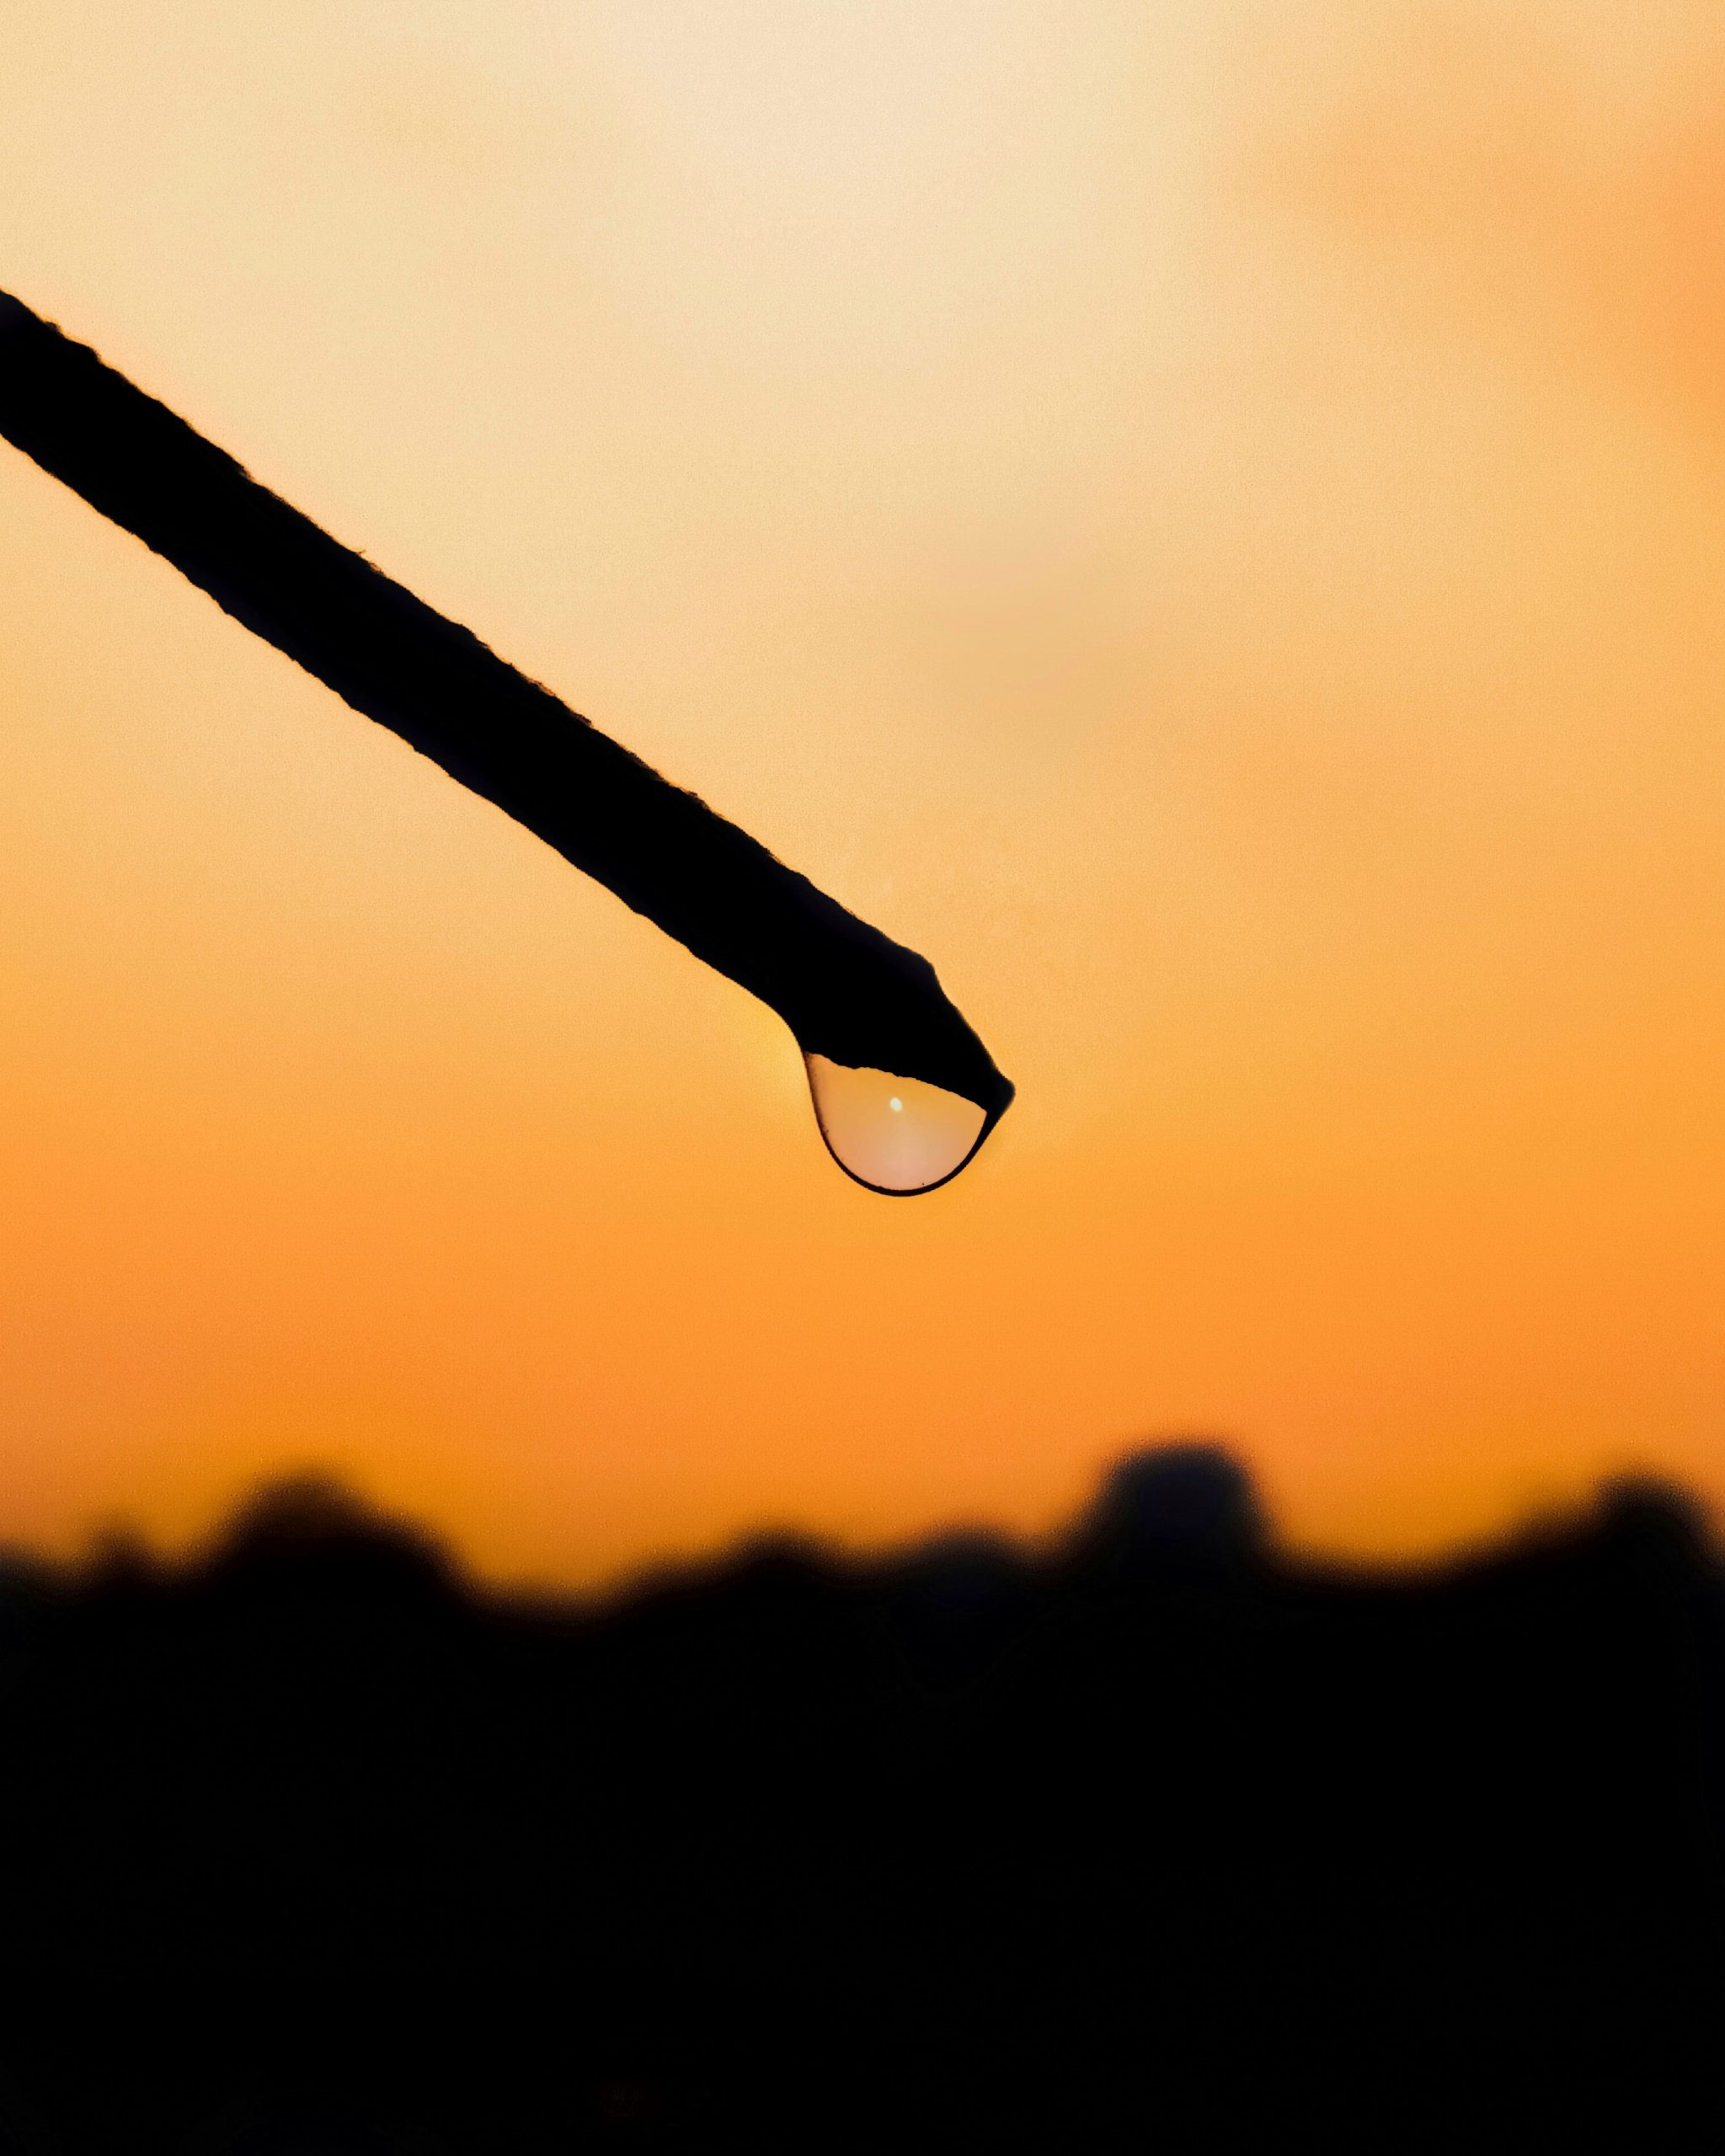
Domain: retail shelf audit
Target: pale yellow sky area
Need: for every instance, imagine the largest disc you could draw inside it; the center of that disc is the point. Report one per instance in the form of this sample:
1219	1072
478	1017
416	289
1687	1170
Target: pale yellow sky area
1205	521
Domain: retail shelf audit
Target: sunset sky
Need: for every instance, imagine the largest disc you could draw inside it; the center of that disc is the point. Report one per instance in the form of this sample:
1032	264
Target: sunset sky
1208	521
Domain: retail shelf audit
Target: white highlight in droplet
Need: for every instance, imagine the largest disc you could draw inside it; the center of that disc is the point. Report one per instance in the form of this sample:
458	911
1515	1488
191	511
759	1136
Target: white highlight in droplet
892	1133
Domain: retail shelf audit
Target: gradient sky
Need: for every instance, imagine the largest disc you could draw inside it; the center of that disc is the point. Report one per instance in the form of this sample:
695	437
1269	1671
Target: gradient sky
1206	521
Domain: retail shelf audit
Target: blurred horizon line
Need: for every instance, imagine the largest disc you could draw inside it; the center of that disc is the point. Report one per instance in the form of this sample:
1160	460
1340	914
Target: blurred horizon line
1178	1500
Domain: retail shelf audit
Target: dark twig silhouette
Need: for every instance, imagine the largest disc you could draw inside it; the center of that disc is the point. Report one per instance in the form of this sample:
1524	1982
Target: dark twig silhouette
846	991
1149	1841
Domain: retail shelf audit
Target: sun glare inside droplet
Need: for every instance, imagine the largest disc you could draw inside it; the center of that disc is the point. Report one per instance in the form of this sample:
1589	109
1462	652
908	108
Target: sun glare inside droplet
894	1134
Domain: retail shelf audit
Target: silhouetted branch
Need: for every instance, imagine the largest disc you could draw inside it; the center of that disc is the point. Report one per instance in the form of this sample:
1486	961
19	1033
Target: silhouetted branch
846	991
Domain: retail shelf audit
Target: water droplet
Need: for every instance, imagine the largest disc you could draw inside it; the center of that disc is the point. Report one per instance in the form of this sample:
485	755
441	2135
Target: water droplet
892	1133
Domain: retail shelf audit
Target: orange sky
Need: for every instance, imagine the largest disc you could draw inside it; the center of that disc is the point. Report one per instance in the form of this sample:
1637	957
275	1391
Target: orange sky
1208	522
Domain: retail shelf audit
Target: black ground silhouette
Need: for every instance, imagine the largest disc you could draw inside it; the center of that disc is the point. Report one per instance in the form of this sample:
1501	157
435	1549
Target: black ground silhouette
1152	1841
846	991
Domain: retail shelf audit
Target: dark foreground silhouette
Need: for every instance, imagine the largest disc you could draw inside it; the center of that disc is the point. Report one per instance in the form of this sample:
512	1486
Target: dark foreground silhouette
1152	1842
